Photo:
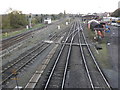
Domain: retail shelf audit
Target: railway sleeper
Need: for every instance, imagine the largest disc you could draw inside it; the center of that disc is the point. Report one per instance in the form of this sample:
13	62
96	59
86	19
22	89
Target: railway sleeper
53	86
56	78
60	68
55	82
58	74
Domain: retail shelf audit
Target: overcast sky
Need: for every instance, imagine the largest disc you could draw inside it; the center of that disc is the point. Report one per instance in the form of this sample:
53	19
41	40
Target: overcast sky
57	6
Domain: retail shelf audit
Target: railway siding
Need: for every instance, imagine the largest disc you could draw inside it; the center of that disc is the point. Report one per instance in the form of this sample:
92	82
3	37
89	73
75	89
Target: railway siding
33	81
13	52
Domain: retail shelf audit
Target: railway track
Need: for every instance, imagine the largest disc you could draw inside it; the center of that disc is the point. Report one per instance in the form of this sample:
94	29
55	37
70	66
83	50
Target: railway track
58	72
23	61
6	43
57	77
13	40
96	77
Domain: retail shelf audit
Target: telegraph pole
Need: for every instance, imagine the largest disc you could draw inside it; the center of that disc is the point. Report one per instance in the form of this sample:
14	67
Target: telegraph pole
30	20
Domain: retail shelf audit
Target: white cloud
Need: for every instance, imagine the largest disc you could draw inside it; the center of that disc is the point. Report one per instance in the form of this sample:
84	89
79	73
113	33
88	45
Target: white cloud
56	6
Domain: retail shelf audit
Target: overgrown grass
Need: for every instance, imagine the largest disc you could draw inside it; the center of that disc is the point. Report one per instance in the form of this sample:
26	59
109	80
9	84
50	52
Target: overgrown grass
91	34
102	57
7	35
38	25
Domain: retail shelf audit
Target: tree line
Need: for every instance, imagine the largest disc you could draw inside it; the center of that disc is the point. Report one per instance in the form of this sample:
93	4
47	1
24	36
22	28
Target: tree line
16	19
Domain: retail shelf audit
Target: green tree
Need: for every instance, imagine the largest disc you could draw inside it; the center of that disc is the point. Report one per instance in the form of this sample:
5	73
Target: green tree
60	15
17	19
14	19
6	22
37	19
53	17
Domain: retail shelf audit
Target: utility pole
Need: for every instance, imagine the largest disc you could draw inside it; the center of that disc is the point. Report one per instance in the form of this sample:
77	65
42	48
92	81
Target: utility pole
30	20
64	13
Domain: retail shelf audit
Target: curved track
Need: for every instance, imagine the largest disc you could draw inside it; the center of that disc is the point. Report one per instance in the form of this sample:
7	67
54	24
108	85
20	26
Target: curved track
96	77
58	73
7	71
6	43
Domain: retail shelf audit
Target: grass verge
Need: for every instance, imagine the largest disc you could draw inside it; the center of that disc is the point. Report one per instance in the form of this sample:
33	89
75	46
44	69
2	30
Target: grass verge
10	34
102	55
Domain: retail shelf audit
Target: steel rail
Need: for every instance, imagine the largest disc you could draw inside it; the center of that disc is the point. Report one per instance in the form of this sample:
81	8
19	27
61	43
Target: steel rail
66	66
27	61
84	60
61	50
25	55
41	44
21	58
8	77
13	41
95	60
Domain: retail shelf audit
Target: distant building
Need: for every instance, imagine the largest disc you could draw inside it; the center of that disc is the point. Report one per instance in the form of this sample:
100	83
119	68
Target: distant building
47	20
89	17
105	14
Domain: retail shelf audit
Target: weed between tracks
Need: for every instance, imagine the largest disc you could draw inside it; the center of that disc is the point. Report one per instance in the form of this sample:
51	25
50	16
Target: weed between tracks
102	55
